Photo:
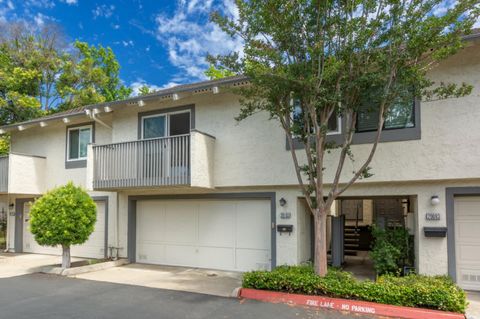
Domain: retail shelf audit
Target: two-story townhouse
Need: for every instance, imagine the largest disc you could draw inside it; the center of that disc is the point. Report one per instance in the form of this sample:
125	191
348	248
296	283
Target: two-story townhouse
178	181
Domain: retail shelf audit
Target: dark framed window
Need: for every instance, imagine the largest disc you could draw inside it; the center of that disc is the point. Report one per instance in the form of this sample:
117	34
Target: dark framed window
400	116
77	142
334	122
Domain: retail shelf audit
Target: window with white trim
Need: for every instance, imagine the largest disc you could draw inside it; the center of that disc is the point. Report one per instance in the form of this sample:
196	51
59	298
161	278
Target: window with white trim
77	142
166	124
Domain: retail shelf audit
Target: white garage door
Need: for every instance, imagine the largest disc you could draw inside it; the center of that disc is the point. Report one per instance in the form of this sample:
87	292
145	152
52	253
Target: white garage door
467	242
93	248
216	234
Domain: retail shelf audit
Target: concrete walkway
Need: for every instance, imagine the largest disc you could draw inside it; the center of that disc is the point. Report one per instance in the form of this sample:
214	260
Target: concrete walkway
211	282
473	311
21	264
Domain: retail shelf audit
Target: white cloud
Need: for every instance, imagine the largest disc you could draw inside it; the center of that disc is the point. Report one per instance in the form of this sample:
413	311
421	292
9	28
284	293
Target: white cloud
5	10
443	7
105	11
40	19
135	86
189	38
70	2
39	3
128	43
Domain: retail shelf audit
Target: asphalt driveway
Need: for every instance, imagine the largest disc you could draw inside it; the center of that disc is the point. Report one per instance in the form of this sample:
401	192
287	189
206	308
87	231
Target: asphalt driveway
43	296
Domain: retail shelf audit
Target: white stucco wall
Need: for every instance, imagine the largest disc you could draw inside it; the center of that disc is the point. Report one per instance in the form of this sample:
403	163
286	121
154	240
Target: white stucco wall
50	142
252	152
202	152
26	174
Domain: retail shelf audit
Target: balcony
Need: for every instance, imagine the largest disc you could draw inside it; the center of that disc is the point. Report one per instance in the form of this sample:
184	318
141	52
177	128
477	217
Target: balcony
182	160
22	174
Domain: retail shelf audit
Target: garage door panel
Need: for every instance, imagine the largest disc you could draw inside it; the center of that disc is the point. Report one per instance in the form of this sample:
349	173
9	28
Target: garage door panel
469	253
467	230
468	278
180	221
216	224
467	241
469	207
249	259
253	225
94	247
151	253
213	257
152	221
181	255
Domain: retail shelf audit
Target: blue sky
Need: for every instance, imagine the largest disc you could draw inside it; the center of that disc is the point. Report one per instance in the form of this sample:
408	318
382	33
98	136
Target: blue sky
157	42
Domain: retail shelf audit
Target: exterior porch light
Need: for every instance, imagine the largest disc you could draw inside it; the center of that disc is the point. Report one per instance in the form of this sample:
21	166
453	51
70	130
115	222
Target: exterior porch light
215	90
141	103
282	202
21	127
43	124
66	120
435	200
107	109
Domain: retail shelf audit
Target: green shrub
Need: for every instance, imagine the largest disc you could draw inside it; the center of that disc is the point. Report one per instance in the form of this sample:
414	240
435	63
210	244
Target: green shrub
391	250
413	290
64	216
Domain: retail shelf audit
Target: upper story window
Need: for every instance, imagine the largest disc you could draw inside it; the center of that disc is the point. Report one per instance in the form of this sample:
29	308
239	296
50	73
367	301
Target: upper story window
78	139
165	124
334	122
400	116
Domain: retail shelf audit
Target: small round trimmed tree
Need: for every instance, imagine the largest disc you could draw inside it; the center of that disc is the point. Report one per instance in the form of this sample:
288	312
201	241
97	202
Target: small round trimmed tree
64	216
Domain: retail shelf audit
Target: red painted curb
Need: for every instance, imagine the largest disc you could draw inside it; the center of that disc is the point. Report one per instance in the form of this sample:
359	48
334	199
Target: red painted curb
347	305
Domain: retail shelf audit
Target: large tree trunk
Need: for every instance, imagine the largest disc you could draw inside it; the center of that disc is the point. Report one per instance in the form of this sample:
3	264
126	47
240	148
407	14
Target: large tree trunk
65	257
320	259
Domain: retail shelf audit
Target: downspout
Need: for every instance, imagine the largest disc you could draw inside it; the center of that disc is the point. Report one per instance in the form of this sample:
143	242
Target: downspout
92	115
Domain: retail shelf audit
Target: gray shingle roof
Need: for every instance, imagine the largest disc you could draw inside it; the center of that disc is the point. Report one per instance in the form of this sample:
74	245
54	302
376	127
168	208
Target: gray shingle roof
192	87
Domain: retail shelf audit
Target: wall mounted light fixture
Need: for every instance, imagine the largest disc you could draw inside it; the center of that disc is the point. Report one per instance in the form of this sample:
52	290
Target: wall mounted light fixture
282	202
435	200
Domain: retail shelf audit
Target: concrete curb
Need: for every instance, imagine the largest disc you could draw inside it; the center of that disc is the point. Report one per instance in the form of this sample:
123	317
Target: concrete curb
236	292
83	269
362	307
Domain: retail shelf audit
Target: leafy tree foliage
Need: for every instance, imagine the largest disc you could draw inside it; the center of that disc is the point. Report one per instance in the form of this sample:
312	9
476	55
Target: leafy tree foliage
310	60
145	89
64	216
215	73
93	77
39	74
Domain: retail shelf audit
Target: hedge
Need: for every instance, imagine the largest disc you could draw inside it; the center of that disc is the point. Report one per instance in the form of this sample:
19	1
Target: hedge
437	292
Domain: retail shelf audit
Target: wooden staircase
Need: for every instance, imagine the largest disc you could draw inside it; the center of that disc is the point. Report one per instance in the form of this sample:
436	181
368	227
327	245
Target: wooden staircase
351	240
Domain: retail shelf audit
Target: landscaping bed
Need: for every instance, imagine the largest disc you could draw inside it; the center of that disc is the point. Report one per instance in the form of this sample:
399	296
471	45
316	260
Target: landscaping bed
438	293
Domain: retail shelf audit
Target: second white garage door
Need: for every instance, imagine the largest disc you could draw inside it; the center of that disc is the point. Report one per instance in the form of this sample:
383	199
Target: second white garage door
216	234
467	241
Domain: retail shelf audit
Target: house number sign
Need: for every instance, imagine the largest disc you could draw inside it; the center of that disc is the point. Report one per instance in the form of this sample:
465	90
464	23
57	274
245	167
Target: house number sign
432	216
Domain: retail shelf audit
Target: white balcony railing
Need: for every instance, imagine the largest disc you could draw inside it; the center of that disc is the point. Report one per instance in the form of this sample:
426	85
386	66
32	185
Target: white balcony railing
154	162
